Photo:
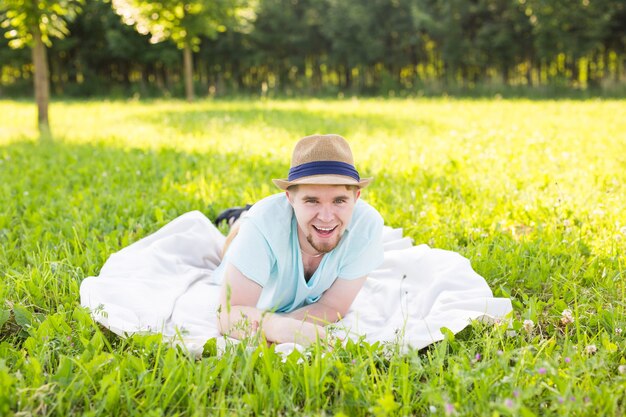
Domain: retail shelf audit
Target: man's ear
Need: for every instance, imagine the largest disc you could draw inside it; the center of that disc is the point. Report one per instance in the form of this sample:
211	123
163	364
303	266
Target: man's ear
358	193
289	197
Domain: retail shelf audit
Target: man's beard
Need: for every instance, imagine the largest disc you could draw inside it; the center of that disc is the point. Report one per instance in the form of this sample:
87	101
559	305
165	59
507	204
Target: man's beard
323	248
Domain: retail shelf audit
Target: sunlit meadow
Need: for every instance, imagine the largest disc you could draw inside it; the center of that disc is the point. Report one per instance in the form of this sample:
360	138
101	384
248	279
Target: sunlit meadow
532	192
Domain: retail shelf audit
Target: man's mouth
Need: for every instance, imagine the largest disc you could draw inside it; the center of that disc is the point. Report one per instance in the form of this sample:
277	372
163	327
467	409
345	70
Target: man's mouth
324	231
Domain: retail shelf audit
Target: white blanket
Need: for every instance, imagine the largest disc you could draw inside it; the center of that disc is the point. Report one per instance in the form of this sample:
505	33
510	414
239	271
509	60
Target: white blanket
162	284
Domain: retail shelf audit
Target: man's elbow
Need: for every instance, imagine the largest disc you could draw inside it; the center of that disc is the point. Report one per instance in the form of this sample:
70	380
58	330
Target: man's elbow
233	318
341	309
225	316
335	313
341	313
223	319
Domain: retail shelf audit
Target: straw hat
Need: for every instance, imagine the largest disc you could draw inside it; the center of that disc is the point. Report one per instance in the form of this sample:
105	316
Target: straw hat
322	159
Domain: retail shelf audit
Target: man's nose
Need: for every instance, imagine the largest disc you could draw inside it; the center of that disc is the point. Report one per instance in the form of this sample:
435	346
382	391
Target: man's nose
326	213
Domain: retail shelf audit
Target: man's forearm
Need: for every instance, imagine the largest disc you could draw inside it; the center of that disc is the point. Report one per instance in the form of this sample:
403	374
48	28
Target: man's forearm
317	313
333	305
243	321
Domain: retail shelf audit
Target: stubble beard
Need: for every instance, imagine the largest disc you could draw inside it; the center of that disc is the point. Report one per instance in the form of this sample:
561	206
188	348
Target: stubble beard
325	248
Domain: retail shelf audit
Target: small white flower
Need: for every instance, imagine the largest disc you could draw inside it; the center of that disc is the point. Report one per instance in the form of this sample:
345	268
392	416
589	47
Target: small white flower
591	349
618	331
432	409
566	316
621	369
387	352
529	325
25	193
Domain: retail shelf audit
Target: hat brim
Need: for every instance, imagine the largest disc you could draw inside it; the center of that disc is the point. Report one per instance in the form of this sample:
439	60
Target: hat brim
283	184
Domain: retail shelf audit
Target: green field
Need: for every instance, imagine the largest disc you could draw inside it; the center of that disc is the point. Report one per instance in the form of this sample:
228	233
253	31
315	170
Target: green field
532	192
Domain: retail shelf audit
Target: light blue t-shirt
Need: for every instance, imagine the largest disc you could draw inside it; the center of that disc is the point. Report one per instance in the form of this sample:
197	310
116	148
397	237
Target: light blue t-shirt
266	250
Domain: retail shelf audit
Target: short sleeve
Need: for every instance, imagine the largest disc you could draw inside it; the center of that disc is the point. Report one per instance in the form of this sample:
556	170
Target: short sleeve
366	251
250	253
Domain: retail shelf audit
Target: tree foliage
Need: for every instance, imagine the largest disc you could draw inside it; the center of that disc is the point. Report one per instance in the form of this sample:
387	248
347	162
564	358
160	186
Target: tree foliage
331	46
50	16
181	21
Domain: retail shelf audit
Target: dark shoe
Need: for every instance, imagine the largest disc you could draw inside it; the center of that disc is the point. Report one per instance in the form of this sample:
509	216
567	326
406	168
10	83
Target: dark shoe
231	215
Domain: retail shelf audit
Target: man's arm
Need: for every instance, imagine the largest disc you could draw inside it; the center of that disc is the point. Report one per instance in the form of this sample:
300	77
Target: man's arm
333	304
238	317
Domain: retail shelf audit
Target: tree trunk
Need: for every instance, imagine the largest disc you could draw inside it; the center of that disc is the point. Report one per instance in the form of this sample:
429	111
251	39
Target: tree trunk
505	75
188	71
529	72
42	83
220	85
572	63
317	75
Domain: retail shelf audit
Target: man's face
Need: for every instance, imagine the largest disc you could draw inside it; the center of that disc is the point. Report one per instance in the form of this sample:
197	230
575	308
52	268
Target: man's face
323	212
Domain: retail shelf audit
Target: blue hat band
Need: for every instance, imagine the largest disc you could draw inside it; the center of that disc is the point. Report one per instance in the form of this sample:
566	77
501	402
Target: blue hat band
323	168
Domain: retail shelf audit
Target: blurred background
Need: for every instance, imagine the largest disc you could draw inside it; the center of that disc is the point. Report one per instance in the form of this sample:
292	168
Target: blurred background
142	49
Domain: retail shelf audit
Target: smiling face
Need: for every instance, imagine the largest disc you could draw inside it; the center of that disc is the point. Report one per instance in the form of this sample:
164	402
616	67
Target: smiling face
323	212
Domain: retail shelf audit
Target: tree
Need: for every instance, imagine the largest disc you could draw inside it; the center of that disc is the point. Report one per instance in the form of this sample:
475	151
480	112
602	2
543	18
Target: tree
351	25
287	34
182	21
32	23
504	37
104	56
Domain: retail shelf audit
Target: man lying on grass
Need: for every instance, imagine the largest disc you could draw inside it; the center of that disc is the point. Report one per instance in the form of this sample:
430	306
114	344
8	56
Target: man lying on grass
296	260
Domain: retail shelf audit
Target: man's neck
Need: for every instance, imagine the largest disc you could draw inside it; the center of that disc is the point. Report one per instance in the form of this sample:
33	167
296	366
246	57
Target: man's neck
310	265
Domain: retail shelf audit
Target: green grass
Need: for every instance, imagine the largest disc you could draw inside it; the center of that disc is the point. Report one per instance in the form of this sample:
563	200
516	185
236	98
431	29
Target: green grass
532	192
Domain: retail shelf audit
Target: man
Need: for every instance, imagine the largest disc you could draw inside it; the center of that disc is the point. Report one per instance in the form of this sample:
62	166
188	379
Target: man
300	257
